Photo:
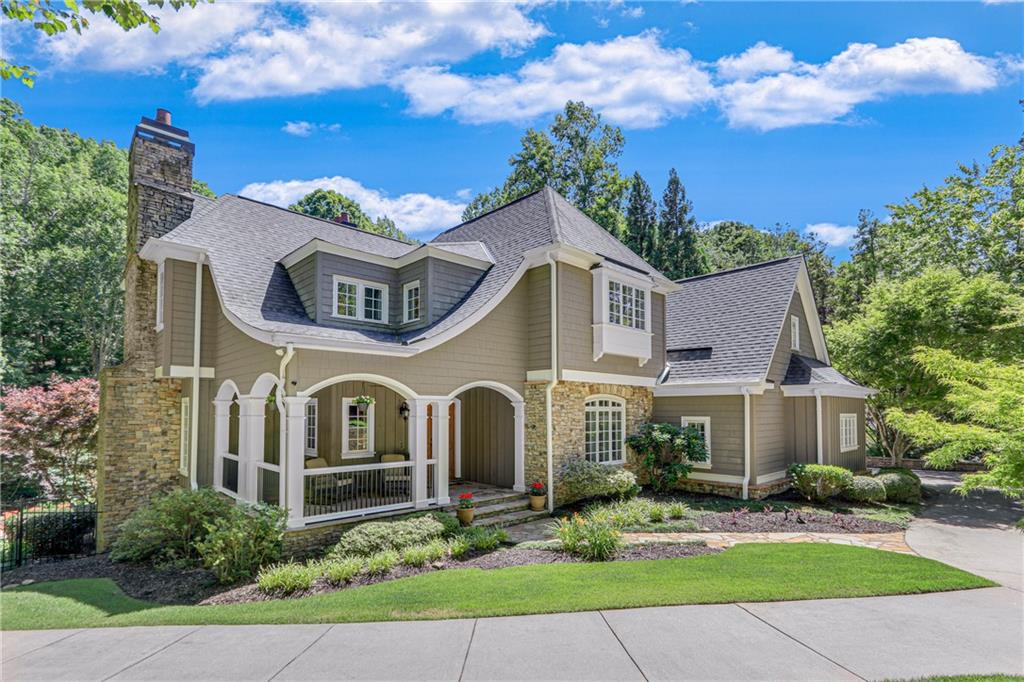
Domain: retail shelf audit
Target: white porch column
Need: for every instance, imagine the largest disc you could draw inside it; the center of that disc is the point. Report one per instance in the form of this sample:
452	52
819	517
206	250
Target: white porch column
250	444
221	436
418	448
441	453
294	465
519	410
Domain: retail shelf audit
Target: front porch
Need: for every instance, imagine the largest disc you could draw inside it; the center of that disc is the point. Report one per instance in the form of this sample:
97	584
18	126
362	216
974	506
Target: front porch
357	448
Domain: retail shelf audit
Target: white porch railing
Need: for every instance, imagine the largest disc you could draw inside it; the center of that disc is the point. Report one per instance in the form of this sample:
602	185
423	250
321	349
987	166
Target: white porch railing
338	492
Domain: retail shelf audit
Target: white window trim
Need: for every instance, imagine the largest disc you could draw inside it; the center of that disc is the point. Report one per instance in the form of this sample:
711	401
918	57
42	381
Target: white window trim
161	281
706	421
356	454
361	286
620	407
313	404
186	436
845	418
406	288
794	332
640	291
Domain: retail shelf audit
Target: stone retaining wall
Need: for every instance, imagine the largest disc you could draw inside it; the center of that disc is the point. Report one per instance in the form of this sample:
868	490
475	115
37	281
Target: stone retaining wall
920	465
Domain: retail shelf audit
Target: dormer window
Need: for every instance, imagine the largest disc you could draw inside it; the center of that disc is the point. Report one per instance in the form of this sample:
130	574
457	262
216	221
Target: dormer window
627	305
411	301
355	299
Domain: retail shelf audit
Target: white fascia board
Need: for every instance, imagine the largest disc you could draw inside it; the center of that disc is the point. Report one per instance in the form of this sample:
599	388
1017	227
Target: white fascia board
722	388
538	375
419	253
828	390
564	253
605	378
183	372
158	250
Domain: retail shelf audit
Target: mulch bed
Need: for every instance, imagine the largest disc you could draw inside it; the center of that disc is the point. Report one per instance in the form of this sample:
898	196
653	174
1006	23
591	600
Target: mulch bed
791	521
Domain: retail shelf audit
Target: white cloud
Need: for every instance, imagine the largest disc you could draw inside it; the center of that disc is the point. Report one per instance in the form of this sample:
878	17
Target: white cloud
185	38
758	59
863	72
634	12
633	81
305	128
355	45
833	235
413	212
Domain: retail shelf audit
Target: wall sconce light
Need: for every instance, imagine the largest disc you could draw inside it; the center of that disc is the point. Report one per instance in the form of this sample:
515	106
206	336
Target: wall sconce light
403	410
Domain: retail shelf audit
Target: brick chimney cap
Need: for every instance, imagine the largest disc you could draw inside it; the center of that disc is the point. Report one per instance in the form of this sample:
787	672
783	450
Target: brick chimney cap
163	116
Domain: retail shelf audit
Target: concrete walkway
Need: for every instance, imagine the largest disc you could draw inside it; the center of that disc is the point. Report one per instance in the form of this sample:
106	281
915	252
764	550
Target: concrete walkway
976	631
975	533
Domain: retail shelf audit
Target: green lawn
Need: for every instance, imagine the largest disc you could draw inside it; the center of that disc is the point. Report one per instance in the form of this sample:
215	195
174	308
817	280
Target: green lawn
968	678
744	573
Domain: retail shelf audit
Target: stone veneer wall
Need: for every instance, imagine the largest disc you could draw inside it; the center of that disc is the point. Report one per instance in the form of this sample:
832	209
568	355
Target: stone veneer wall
567	421
735	490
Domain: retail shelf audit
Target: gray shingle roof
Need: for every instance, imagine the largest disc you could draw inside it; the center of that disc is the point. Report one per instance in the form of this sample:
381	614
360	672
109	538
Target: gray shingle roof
810	371
246	239
724	326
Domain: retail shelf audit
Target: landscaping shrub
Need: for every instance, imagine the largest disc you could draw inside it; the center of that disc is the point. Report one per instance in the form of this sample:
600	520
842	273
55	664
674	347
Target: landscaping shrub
582	479
52	534
677	510
458	547
288	578
622	514
667	452
381	562
242	541
339	571
819	482
415	555
168	529
909	473
865	489
588	539
376	536
900	487
436	550
485	539
657	514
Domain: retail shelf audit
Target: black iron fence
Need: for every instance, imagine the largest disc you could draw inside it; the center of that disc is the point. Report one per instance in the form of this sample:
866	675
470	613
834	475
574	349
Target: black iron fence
46	530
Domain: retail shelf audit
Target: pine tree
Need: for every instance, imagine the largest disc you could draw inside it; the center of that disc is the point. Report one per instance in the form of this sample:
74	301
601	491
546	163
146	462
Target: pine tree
679	254
641	219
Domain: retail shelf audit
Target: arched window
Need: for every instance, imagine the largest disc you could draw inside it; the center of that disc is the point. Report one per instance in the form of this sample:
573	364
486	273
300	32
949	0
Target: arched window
605	429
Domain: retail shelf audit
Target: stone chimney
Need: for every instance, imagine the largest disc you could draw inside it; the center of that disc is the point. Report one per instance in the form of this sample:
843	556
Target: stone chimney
159	199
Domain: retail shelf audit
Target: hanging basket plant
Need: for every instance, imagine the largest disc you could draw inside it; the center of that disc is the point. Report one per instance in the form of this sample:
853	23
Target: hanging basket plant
364	400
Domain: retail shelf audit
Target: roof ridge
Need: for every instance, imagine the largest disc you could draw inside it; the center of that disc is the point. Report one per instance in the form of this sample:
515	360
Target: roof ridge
323	220
549	201
739	268
486	213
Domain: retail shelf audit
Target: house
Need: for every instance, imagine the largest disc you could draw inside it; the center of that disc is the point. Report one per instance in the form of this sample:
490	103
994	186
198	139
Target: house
302	362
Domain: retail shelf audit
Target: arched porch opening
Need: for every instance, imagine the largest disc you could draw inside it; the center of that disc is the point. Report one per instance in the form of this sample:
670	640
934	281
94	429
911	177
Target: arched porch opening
486	431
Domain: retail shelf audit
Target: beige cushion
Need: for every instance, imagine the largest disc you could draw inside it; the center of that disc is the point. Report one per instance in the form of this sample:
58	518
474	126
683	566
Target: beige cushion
393	457
316	463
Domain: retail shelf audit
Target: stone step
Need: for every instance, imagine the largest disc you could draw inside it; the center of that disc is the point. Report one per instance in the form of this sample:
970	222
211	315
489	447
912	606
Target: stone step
517	504
490	497
509	519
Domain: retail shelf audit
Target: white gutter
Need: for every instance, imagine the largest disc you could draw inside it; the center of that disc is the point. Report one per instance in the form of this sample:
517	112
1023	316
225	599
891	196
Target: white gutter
193	411
746	442
817	410
552	381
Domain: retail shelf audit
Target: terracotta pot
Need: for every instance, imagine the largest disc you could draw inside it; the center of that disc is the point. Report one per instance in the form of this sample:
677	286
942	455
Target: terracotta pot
465	516
538	502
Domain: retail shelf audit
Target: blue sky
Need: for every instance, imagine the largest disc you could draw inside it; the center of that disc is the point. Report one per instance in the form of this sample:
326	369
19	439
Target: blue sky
799	113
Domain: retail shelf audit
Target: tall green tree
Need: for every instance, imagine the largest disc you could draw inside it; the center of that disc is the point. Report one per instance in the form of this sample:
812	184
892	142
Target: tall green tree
985	416
75	15
641	219
576	156
855	276
977	318
678	251
733	244
328	204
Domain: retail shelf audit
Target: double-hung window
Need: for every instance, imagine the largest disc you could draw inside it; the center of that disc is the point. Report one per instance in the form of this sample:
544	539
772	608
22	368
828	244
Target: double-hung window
703	427
411	301
604	429
312	419
847	432
357	423
794	332
358	300
627	305
186	436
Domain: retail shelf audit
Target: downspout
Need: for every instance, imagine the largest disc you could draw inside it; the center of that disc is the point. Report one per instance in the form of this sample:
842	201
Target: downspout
746	442
817	411
286	353
552	381
193	408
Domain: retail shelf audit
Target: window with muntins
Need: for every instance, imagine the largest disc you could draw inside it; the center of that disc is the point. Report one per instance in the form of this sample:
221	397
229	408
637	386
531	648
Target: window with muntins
358	300
703	426
847	432
627	305
358	423
794	332
312	410
186	436
604	429
412	301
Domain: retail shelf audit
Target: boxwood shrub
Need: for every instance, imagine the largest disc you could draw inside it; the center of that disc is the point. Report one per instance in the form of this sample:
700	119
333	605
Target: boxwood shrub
374	537
819	482
865	489
167	530
900	487
582	479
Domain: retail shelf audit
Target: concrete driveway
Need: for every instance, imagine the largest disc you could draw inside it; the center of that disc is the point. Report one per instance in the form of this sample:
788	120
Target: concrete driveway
975	533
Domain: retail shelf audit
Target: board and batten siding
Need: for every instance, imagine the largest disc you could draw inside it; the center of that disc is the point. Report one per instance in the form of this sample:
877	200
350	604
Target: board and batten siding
175	342
488	437
390	430
726	413
576	335
770	451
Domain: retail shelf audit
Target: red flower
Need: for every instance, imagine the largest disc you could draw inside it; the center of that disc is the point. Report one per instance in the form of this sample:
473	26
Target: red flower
466	496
